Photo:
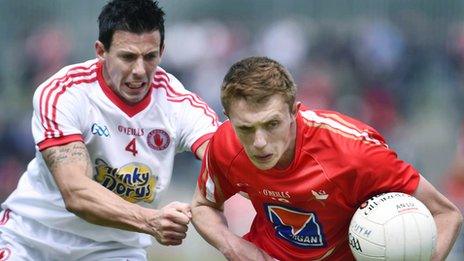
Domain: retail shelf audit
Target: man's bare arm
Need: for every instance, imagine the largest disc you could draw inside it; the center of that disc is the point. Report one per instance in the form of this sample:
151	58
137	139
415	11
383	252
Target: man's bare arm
446	215
72	170
211	224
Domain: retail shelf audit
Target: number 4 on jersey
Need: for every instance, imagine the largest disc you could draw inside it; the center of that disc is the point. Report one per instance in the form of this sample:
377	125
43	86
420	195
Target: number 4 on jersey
132	147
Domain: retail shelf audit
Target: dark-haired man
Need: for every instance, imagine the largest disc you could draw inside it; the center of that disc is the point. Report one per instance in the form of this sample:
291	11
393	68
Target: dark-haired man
106	132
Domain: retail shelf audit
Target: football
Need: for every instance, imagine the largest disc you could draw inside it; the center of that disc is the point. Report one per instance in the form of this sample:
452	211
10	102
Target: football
392	226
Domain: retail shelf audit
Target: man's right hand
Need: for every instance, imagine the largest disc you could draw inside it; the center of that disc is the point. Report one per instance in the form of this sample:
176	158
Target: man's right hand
170	224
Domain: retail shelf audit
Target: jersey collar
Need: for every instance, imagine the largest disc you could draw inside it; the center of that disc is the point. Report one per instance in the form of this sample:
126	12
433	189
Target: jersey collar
128	109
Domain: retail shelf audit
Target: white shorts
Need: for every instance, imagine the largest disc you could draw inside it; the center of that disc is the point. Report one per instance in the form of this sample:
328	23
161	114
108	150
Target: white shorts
26	239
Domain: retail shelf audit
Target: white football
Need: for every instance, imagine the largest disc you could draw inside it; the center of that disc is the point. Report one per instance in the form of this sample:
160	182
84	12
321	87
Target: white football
392	226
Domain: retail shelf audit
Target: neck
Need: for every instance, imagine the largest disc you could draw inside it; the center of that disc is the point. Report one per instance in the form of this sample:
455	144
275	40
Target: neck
106	76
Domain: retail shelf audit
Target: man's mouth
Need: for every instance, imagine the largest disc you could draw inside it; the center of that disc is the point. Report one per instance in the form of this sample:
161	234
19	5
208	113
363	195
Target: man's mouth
264	157
135	85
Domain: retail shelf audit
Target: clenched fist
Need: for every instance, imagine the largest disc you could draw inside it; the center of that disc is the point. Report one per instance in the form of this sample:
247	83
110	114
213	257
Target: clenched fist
169	225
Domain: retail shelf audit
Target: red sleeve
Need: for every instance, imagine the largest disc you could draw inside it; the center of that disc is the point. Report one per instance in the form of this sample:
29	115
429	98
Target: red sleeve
47	143
378	169
213	180
358	160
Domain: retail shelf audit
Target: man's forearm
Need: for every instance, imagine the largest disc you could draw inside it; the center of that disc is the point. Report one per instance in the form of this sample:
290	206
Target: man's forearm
211	224
99	206
72	170
447	216
448	227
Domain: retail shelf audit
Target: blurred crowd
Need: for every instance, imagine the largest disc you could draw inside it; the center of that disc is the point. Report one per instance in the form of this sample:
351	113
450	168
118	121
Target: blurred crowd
401	71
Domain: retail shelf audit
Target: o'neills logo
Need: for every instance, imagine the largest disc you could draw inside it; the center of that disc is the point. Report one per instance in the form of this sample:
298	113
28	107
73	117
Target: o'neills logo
282	196
277	194
158	139
134	182
131	131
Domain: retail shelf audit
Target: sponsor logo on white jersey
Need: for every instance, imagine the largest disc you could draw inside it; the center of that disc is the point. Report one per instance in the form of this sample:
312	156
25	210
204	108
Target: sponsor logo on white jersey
134	182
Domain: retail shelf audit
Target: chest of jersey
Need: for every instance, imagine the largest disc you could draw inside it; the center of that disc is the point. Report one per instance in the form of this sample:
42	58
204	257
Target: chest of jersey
301	207
132	156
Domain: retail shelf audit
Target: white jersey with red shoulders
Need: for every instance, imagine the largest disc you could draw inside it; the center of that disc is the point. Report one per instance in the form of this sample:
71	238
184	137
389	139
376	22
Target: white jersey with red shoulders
131	147
303	212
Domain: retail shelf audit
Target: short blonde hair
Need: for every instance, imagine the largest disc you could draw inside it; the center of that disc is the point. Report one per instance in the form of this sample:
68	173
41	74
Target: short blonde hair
256	79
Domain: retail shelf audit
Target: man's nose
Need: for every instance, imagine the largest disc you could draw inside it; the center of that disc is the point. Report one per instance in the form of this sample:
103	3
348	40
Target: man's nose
138	68
260	139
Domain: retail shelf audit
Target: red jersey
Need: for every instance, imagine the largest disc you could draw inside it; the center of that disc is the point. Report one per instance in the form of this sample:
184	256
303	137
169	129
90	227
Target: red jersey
303	211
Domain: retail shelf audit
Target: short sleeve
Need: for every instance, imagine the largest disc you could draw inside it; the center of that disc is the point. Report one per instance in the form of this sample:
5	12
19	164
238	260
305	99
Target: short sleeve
212	181
55	119
378	169
195	121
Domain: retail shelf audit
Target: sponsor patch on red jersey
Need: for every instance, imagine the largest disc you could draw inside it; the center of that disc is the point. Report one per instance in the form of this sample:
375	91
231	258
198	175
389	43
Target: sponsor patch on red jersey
300	228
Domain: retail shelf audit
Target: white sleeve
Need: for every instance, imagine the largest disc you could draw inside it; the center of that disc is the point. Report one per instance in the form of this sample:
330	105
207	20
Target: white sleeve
195	121
55	120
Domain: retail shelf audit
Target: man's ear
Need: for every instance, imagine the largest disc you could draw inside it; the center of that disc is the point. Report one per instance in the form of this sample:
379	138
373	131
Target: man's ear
161	50
295	107
100	50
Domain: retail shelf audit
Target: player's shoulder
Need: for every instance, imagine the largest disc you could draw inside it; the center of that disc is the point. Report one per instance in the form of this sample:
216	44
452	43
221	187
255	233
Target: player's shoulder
171	95
335	119
225	142
225	129
69	76
339	132
74	73
168	83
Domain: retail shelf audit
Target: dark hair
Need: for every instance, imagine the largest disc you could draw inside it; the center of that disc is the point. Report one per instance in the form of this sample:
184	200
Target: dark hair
135	16
256	79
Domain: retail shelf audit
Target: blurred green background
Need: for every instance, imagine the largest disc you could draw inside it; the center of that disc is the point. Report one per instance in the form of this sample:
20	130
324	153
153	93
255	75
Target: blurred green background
397	65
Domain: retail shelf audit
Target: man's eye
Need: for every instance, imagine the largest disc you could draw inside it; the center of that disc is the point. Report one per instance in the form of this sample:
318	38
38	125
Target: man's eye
245	129
272	124
151	57
127	57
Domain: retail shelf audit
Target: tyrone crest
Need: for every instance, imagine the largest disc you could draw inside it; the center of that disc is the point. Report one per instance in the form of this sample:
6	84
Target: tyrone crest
158	139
